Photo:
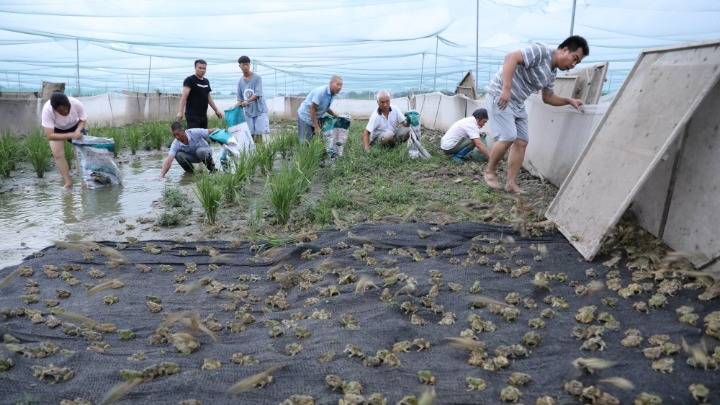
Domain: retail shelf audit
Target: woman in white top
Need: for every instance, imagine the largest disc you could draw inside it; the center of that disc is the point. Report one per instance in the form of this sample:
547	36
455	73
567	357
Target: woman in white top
63	119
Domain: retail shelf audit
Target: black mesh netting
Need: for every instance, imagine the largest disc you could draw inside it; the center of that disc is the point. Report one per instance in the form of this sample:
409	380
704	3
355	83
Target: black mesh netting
459	247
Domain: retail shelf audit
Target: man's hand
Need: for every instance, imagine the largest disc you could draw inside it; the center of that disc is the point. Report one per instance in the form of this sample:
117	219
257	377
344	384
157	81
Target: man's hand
76	135
504	99
219	114
179	116
575	103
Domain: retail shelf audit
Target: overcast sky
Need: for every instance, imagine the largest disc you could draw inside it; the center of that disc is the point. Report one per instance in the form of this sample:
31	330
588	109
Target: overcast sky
298	44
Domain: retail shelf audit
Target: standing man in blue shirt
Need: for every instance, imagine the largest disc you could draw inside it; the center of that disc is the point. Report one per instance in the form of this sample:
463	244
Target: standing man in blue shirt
250	97
316	104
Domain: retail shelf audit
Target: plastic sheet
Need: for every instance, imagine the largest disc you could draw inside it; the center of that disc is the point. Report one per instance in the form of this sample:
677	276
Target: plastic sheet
95	161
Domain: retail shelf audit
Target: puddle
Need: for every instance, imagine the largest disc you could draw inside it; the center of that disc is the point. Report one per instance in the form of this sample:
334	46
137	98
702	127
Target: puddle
34	212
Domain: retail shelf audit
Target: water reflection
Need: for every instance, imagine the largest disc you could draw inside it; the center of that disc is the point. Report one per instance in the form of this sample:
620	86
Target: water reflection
37	211
68	207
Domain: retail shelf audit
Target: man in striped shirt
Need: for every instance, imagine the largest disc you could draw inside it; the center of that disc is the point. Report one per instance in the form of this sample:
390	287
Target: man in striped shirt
524	72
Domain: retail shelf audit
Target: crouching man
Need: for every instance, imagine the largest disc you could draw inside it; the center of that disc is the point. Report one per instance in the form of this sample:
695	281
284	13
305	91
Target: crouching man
463	141
387	125
190	146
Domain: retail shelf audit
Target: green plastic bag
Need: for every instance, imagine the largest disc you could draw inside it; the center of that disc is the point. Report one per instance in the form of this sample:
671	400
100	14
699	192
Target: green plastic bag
413	118
327	123
220	136
234	116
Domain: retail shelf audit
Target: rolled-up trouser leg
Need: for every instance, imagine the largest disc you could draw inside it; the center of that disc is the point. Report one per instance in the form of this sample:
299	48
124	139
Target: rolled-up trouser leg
205	155
185	160
462	144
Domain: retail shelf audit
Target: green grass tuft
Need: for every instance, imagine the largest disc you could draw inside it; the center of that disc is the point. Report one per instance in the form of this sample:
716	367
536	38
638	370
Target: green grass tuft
209	194
10	153
38	152
285	188
133	139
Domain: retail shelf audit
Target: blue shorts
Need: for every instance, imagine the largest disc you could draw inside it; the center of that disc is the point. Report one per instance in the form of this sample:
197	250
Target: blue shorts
258	125
509	124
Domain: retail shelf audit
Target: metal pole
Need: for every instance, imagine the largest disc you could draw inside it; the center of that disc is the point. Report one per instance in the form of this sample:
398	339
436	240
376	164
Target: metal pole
477	41
149	68
77	64
572	20
422	70
437	40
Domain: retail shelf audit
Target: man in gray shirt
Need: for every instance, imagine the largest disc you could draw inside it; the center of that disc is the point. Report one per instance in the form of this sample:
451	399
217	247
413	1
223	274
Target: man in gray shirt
250	97
190	146
524	72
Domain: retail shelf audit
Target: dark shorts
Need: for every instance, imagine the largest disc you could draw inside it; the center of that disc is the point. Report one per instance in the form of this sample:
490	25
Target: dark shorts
67	131
196	121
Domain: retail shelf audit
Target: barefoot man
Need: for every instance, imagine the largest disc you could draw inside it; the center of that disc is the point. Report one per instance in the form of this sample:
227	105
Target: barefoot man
524	72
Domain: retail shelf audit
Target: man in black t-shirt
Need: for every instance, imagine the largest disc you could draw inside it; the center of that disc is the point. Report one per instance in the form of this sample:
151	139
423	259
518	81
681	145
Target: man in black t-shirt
196	97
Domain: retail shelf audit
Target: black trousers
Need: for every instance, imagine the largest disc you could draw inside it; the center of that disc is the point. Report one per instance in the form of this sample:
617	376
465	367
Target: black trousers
194	121
186	160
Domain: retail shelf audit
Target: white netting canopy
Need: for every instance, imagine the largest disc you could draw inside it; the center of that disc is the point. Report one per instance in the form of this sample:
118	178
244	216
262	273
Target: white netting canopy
151	45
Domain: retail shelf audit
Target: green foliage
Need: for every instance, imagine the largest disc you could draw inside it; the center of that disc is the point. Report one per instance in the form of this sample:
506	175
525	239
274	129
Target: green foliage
38	152
209	194
244	167
285	188
157	135
308	157
265	156
286	142
230	186
118	136
133	139
10	152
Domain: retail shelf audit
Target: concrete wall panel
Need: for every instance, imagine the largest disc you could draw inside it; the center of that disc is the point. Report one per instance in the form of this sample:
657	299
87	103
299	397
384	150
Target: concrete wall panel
660	94
558	136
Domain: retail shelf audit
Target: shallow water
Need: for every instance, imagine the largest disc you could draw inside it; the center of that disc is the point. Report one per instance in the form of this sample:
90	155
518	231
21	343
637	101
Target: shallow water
34	212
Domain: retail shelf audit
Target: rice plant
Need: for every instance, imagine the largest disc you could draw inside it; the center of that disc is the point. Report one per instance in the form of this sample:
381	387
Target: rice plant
308	157
69	153
209	194
265	156
118	138
38	152
10	151
245	166
133	139
230	186
156	135
285	143
285	188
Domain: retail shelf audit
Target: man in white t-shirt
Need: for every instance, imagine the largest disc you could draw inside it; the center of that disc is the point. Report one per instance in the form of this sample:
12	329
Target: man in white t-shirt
190	146
386	125
464	141
63	119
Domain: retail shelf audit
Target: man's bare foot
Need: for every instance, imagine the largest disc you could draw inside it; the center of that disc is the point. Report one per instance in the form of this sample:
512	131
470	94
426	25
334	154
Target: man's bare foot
68	185
514	189
491	180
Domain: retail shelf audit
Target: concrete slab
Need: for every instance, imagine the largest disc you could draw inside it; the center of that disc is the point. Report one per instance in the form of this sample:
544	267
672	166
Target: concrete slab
656	101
